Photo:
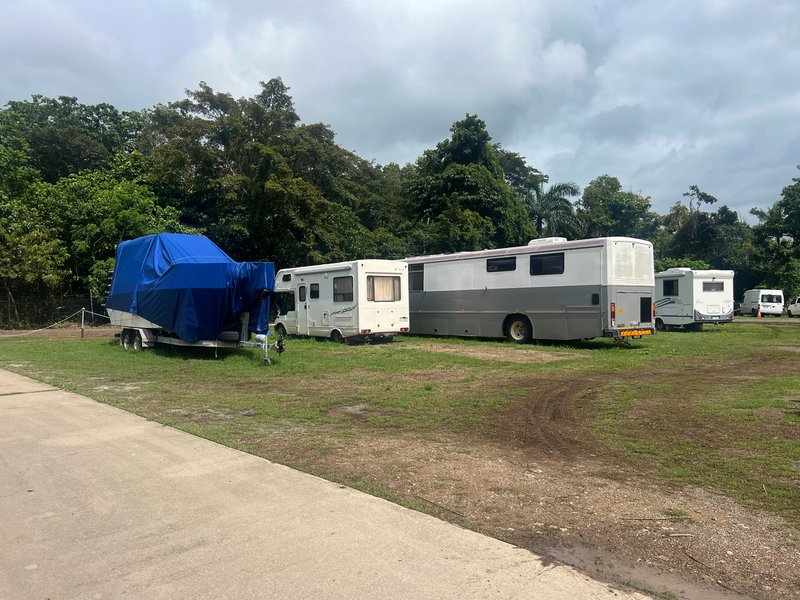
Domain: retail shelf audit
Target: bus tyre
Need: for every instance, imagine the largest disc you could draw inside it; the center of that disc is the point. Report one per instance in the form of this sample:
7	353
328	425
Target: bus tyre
518	329
280	330
337	337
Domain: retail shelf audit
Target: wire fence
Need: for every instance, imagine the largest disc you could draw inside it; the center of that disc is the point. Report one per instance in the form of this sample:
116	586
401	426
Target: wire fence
30	312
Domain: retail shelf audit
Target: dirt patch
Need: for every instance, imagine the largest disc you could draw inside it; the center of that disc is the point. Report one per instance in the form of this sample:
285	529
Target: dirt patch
536	475
580	510
512	354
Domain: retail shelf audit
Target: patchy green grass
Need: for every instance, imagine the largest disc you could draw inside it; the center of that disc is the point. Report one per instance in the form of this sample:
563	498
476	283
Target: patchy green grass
717	408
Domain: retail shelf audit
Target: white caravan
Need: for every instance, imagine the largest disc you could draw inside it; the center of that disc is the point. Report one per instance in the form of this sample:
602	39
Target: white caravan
769	301
551	289
793	309
342	301
689	298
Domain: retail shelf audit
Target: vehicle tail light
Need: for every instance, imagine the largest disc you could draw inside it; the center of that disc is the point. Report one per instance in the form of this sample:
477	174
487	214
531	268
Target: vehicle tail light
613	314
366	331
404	330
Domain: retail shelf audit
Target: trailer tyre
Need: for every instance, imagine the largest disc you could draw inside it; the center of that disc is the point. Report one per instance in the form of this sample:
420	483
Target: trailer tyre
125	339
137	341
518	329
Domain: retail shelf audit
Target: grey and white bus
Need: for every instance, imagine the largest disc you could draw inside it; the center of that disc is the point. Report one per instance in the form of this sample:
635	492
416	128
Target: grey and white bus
551	289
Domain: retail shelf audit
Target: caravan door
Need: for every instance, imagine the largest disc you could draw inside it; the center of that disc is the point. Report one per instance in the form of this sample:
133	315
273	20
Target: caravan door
302	310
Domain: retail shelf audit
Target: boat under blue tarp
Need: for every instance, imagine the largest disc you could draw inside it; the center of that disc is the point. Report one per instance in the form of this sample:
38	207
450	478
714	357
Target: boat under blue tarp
188	286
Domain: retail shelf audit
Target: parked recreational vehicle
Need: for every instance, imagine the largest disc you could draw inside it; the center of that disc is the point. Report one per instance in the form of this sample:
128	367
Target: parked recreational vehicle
357	299
689	298
769	301
550	289
793	309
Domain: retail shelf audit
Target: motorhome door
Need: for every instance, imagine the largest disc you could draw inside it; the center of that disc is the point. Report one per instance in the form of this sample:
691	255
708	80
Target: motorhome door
302	310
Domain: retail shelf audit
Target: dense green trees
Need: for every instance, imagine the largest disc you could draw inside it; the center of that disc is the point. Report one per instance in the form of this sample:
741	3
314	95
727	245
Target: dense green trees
76	179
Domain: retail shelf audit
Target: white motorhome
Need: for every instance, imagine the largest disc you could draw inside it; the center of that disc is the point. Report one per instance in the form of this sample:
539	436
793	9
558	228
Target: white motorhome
342	301
551	289
769	301
689	298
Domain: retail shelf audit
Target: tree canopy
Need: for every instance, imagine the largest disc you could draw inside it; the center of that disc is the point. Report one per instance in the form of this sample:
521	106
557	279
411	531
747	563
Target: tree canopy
77	179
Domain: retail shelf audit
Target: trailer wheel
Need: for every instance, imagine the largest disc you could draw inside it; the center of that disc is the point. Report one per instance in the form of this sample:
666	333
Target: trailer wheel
125	339
337	337
280	330
137	341
518	329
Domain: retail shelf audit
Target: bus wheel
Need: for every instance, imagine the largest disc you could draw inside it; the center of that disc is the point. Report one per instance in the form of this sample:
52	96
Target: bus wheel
518	329
337	337
280	330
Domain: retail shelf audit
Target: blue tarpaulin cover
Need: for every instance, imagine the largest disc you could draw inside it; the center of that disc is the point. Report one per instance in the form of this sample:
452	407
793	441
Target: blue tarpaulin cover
187	285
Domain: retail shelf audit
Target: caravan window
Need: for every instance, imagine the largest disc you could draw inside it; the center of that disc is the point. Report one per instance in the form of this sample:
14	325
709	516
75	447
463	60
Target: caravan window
416	277
313	291
507	263
383	288
671	287
286	277
713	286
547	264
301	293
343	289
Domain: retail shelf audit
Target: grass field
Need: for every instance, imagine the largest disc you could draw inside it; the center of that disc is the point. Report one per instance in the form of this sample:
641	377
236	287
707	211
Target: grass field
719	408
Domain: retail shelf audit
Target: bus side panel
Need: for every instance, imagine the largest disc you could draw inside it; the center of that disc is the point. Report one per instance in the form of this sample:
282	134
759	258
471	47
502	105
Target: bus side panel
563	313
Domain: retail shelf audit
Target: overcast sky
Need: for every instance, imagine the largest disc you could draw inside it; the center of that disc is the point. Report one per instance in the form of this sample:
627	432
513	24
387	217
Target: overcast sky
660	94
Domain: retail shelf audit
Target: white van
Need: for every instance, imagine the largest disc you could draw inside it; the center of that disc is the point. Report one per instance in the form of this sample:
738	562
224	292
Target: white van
769	301
342	301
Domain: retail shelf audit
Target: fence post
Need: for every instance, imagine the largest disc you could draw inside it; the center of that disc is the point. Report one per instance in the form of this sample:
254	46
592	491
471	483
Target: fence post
83	316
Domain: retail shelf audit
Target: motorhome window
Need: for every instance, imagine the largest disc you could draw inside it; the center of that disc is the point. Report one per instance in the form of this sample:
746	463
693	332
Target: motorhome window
507	263
285	302
343	289
416	277
383	288
301	293
313	291
713	286
670	287
547	264
286	277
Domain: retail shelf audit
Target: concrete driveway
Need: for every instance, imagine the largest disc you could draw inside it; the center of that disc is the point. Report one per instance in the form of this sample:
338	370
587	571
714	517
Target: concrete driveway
98	503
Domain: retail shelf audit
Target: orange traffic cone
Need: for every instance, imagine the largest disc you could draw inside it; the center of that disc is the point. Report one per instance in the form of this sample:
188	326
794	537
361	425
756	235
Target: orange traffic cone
758	316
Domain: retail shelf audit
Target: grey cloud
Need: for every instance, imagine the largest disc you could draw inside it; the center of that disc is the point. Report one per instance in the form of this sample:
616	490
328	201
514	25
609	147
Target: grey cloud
662	94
